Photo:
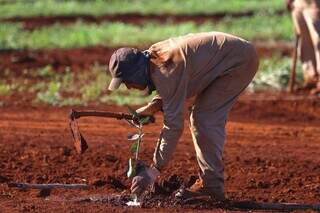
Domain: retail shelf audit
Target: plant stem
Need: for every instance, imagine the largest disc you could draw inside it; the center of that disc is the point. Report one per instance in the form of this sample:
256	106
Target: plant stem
138	145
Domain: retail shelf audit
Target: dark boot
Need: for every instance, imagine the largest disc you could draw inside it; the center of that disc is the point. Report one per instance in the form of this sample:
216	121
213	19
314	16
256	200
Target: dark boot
197	190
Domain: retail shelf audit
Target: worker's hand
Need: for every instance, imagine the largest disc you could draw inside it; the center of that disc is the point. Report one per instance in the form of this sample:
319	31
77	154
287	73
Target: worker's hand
151	108
289	4
144	120
146	176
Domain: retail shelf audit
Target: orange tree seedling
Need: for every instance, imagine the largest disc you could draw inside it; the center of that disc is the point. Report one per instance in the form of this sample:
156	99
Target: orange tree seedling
136	139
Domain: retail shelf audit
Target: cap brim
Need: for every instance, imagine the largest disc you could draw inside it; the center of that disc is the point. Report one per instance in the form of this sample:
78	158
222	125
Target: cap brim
114	84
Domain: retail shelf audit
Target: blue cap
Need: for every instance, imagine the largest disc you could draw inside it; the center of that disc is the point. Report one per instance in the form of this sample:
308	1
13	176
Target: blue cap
124	63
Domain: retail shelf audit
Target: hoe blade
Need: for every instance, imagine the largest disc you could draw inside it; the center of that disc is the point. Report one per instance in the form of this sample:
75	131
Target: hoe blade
79	141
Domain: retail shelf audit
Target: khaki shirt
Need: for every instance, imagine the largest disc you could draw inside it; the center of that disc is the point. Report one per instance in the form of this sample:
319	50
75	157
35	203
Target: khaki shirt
185	67
306	4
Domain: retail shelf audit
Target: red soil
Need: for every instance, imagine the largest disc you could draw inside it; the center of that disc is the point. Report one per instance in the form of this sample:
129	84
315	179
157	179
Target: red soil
77	59
271	155
31	23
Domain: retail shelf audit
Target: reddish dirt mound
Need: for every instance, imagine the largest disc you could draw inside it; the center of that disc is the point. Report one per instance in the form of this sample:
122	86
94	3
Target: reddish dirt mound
271	155
83	58
31	23
77	59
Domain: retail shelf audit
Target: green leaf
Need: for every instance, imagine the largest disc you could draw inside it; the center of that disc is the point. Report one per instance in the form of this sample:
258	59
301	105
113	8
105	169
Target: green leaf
144	120
131	169
134	147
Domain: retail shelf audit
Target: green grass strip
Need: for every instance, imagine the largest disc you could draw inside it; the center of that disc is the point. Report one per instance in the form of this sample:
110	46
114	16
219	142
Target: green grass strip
12	36
274	74
29	8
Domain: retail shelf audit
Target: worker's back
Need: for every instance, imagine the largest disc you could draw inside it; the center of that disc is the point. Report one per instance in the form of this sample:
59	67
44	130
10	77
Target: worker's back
198	59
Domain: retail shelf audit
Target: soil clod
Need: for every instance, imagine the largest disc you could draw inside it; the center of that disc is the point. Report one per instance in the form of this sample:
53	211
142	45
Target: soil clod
115	183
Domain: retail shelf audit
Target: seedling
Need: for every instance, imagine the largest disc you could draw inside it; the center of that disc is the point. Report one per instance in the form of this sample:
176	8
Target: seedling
137	139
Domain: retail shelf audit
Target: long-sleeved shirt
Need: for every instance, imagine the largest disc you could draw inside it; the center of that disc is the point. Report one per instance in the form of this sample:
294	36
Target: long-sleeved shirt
185	67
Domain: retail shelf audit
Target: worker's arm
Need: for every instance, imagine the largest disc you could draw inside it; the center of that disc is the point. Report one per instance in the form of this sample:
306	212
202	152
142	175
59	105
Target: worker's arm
172	106
169	136
173	101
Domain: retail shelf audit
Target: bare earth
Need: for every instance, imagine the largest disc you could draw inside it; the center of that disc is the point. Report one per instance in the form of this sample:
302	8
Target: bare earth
271	155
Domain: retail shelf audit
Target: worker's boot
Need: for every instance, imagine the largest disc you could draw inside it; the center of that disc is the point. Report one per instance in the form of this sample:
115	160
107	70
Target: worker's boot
197	190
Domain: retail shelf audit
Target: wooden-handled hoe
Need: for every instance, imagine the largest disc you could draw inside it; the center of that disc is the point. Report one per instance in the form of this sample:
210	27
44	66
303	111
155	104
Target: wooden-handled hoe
79	141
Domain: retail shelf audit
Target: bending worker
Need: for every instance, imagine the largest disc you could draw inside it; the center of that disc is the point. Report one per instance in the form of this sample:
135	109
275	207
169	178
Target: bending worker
306	19
205	71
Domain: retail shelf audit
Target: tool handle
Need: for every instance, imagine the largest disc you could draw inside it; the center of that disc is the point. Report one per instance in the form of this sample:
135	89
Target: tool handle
48	186
87	113
118	115
292	79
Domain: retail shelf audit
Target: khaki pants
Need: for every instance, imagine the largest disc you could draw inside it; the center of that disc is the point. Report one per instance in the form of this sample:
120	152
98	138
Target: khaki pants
209	115
307	25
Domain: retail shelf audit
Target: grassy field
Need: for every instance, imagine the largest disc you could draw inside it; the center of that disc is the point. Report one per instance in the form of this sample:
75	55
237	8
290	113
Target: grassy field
274	74
13	36
28	8
46	86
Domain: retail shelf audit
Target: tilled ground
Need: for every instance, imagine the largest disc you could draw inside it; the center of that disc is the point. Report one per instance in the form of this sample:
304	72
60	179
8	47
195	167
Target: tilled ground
32	23
271	155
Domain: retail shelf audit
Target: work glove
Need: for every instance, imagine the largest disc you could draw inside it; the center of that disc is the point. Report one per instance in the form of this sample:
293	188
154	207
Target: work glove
146	176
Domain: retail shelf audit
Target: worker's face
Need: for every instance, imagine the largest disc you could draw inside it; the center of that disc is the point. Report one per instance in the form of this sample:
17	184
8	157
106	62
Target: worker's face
134	86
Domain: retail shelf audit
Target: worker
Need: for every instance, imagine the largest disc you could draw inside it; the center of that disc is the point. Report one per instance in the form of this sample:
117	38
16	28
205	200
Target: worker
200	75
306	19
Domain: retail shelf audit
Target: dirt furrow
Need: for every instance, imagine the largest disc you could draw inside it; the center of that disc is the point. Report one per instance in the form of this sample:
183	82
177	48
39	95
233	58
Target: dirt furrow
31	23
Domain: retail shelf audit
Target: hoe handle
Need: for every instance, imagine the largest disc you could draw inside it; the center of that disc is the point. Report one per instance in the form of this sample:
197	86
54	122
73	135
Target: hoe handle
292	79
118	115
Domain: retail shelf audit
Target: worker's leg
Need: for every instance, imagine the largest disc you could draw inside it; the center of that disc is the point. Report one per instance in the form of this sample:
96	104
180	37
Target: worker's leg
306	47
312	17
208	120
